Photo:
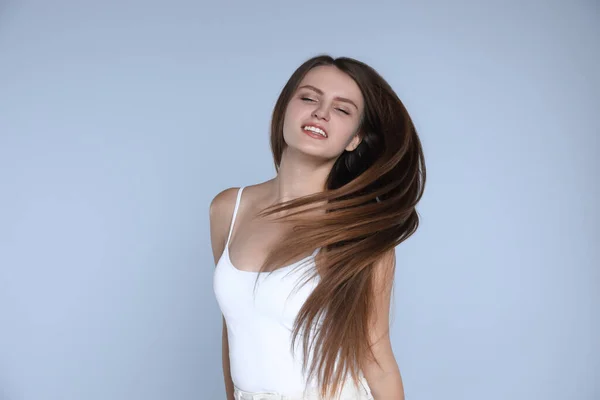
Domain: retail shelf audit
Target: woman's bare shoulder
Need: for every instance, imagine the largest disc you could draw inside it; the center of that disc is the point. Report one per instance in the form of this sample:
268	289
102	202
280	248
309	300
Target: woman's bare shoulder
224	200
222	205
220	215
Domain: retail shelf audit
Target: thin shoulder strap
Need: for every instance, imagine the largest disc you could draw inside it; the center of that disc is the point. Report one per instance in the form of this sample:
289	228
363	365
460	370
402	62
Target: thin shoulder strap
235	210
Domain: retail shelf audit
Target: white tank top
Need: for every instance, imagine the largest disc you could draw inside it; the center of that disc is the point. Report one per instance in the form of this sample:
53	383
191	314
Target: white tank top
259	324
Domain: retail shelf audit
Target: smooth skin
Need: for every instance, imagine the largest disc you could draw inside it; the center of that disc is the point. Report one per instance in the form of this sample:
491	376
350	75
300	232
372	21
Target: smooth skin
331	99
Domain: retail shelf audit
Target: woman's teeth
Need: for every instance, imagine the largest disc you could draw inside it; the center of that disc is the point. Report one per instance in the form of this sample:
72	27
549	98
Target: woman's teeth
315	130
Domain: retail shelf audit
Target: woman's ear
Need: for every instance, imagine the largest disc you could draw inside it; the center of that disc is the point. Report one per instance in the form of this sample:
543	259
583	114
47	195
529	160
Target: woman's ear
356	139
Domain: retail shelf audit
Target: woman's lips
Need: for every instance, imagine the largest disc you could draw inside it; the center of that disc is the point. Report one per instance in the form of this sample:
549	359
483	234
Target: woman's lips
314	127
314	135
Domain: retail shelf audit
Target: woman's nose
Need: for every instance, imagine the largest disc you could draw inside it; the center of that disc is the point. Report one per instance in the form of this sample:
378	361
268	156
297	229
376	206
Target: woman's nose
321	112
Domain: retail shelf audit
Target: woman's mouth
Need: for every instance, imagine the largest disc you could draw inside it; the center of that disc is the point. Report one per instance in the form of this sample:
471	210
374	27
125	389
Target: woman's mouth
315	131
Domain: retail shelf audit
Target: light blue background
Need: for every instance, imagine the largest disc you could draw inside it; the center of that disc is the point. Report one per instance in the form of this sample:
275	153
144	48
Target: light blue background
120	120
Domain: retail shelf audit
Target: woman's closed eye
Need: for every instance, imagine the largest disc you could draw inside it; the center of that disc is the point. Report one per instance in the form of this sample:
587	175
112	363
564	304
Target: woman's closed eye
308	99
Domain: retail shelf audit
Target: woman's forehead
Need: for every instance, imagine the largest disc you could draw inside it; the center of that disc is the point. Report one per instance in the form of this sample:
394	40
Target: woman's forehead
331	81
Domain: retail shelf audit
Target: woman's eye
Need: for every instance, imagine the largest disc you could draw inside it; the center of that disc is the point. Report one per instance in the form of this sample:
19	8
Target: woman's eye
308	99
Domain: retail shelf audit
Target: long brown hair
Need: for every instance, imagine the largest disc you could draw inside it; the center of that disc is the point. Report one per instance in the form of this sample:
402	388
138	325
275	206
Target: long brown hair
367	208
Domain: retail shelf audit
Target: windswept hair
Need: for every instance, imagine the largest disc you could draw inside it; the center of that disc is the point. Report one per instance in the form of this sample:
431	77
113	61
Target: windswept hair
366	208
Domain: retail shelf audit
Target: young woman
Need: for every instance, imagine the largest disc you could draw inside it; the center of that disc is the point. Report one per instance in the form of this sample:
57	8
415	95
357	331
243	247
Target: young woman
305	261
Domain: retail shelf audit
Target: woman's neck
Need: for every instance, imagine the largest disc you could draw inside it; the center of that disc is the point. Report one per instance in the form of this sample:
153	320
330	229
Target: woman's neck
299	175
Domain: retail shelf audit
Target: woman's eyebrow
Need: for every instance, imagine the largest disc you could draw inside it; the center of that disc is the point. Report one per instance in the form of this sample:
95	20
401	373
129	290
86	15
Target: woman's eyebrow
311	87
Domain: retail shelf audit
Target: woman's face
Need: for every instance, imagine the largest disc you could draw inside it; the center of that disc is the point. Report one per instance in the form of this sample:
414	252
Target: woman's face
323	116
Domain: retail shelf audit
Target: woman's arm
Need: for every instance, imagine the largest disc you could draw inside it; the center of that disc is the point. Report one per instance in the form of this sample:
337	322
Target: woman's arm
221	213
226	369
384	379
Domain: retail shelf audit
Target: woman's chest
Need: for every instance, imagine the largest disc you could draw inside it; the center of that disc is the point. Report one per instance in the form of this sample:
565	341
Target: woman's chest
273	298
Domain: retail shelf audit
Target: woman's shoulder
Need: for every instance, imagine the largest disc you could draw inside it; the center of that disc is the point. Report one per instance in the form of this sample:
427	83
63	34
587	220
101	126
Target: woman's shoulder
224	201
220	210
222	204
